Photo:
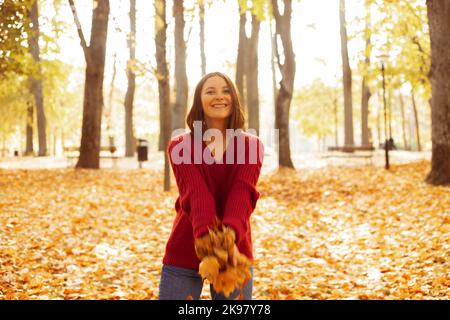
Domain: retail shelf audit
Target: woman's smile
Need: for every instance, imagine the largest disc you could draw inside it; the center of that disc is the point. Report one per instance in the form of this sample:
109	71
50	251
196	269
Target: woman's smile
219	105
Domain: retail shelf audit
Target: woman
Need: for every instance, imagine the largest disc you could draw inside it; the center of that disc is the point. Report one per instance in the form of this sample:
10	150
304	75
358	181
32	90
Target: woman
222	188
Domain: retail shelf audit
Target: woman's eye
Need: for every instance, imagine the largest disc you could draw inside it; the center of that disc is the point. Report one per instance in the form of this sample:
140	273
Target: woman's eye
226	91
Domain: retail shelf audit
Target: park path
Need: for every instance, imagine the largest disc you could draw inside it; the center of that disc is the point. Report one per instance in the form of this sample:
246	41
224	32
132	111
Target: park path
156	161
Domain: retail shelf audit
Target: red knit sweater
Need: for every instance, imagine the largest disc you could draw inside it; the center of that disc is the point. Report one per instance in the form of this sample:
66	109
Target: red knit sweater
226	189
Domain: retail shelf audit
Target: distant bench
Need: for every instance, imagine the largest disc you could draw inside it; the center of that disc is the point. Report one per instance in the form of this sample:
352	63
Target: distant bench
72	153
346	152
352	148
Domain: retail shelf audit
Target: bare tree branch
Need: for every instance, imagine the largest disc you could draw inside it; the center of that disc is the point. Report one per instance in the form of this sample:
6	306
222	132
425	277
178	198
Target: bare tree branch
287	8
277	16
276	11
190	29
86	50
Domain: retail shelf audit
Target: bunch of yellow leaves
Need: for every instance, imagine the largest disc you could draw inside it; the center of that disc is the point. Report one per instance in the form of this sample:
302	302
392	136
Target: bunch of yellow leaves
216	250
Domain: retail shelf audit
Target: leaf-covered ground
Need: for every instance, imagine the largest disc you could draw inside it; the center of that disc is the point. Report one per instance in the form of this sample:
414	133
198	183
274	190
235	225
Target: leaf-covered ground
336	233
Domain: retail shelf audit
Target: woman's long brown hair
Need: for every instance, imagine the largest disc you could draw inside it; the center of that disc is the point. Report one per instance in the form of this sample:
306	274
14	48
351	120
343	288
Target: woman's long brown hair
236	119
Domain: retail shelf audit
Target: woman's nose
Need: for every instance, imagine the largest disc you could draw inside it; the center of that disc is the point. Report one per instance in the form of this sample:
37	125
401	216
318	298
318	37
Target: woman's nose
219	96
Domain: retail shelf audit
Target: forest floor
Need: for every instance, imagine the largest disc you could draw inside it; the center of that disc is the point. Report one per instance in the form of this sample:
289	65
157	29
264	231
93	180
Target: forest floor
357	232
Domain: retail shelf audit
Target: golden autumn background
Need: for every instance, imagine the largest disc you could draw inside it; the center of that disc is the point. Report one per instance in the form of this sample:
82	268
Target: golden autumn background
349	97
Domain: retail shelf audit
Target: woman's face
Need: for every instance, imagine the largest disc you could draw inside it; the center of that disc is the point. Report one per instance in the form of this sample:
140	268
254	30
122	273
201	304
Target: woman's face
216	99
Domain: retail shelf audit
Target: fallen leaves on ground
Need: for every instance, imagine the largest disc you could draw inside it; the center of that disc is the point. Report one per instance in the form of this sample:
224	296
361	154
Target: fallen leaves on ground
335	233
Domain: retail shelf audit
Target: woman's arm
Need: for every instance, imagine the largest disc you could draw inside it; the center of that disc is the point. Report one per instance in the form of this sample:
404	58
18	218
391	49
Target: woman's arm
195	198
242	198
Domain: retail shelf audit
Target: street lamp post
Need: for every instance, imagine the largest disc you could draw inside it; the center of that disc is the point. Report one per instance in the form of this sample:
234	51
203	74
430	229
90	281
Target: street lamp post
386	141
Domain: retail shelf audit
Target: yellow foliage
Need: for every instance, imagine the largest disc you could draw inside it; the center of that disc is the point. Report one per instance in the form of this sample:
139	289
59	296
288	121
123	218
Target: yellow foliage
216	251
209	268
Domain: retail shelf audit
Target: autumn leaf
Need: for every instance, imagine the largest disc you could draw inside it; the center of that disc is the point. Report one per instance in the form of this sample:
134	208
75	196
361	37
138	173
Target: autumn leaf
216	265
209	268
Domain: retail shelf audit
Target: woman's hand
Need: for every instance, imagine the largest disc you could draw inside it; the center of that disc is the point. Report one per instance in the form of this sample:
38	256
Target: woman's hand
235	255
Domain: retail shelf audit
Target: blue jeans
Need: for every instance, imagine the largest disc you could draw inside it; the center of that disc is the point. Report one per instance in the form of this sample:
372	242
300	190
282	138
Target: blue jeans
179	283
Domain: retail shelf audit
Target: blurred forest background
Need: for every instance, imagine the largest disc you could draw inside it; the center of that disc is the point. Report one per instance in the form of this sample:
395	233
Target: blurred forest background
328	57
353	80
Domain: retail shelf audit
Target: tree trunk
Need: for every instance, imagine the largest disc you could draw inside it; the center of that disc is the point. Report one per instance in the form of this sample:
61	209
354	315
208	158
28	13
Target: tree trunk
108	109
274	78
54	142
390	111
439	21
163	84
285	92
272	63
36	83
93	88
129	97
252	76
336	121
365	140
181	81
4	150
380	139
201	7
416	120
347	80
240	65
247	69
63	141
402	110
29	129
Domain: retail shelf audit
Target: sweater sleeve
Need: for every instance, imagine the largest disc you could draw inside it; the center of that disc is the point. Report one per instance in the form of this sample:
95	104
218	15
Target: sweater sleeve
241	200
195	198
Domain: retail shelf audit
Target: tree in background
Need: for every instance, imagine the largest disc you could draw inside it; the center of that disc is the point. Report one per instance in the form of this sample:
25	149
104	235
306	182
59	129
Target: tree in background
286	89
347	80
129	97
19	27
14	95
108	110
247	60
94	55
162	74
61	104
24	49
14	28
416	120
439	20
181	81
365	96
35	79
201	20
400	31
402	110
313	102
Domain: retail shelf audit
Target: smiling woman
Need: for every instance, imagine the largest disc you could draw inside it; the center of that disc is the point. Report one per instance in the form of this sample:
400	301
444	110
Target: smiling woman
216	104
212	193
